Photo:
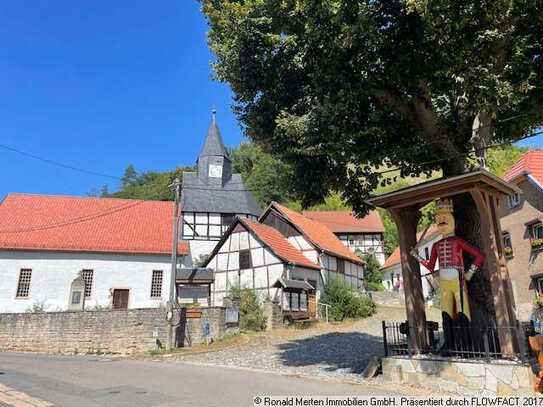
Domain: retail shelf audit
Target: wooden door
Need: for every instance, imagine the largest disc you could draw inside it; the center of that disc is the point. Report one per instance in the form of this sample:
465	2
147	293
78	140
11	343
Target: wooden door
312	305
120	299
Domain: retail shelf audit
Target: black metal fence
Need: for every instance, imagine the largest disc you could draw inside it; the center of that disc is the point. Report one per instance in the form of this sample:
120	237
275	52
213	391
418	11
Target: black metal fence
462	342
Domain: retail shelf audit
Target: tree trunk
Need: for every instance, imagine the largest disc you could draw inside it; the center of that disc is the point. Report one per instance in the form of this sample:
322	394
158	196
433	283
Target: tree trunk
468	226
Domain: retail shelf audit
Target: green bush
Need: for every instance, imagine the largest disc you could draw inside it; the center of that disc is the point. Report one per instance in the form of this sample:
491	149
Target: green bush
345	301
251	315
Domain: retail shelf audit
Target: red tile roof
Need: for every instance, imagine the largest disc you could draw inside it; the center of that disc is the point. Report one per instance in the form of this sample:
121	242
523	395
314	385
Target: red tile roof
531	163
63	223
279	244
395	257
346	222
318	234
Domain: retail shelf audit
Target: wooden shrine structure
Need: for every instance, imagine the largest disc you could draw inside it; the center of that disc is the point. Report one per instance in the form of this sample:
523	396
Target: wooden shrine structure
481	191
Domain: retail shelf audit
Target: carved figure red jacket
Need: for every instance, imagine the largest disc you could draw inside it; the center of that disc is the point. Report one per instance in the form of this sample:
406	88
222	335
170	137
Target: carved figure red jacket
449	253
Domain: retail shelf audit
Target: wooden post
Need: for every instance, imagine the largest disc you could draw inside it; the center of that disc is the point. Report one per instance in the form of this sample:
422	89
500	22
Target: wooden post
406	220
491	248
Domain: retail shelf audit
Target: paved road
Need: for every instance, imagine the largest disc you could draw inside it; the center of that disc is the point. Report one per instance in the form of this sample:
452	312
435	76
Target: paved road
97	381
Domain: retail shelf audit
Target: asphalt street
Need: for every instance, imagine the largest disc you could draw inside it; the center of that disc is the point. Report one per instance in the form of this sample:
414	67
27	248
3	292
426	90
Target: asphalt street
41	380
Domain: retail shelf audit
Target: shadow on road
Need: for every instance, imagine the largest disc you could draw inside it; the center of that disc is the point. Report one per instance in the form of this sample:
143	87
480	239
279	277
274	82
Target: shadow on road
349	351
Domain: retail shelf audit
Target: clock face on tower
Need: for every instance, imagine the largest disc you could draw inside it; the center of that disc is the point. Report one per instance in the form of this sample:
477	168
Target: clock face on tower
215	171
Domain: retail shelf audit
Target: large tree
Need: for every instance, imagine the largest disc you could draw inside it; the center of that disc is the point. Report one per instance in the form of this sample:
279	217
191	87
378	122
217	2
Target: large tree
342	89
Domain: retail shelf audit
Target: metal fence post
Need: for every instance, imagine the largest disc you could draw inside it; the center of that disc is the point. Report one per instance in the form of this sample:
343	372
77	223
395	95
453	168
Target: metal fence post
486	345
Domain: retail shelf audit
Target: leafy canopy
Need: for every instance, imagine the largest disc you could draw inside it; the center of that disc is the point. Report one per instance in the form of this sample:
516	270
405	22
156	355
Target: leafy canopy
342	89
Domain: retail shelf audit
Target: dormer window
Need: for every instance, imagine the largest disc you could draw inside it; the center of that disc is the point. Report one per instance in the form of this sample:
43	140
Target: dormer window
513	200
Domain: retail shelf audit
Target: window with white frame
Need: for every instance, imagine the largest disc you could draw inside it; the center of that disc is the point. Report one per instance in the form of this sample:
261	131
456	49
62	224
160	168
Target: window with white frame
23	286
87	276
536	230
156	284
507	240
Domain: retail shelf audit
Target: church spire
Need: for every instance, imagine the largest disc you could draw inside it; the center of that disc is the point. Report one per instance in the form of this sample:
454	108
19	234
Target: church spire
213	145
214	165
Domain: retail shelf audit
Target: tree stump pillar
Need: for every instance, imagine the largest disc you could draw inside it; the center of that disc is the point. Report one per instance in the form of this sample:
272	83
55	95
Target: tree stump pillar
406	220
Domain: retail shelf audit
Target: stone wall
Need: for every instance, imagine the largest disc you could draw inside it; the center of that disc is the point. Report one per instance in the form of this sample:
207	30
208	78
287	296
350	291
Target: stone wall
111	331
466	378
114	331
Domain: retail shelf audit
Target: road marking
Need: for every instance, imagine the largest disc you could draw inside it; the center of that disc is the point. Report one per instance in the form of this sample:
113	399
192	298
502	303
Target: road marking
15	398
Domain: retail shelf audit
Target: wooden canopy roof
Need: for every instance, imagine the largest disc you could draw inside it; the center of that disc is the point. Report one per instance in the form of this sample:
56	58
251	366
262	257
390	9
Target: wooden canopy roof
425	192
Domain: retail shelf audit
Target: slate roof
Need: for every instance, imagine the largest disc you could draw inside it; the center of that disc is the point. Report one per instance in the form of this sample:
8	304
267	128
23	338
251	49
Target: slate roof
195	275
293	284
317	233
347	222
77	224
232	197
200	194
213	144
530	163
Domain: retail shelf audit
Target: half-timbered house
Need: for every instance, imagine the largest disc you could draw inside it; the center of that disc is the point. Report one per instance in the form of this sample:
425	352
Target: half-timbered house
285	257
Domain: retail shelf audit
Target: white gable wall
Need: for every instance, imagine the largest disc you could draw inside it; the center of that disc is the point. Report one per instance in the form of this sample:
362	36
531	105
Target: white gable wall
267	268
53	273
353	273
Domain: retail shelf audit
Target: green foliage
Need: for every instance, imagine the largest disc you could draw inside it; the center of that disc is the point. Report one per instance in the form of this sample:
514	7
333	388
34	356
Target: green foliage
201	261
251	314
499	160
265	175
391	232
37	306
148	185
373	277
345	302
343	89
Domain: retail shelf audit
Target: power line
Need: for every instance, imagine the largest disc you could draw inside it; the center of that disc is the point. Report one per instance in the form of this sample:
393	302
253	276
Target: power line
57	163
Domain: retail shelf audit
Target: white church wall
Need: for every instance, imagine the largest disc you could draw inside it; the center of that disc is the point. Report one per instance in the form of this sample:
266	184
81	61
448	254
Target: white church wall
53	273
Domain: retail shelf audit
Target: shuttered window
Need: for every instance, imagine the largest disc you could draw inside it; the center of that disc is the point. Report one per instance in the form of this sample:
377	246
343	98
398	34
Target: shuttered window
245	259
156	284
87	276
23	287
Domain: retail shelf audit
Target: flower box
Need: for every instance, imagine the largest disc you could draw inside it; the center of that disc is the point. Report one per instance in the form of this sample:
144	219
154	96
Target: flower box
537	244
508	252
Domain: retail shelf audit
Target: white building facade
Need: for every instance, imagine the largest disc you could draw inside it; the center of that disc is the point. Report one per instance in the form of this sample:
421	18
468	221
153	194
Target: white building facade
142	279
392	270
120	248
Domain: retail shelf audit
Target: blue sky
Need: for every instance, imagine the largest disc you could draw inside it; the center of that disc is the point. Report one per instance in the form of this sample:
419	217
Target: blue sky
103	84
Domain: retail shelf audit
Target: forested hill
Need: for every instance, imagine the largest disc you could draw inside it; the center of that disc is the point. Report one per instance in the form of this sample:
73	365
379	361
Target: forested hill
266	176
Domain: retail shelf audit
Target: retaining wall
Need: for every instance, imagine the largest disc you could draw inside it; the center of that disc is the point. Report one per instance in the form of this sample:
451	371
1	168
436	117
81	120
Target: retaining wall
462	377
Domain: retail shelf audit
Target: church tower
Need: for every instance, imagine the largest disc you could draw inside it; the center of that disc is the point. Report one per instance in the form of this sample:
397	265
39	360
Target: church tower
212	196
214	165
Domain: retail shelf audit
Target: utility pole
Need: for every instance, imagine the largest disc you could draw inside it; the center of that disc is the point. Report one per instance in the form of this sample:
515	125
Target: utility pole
176	186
